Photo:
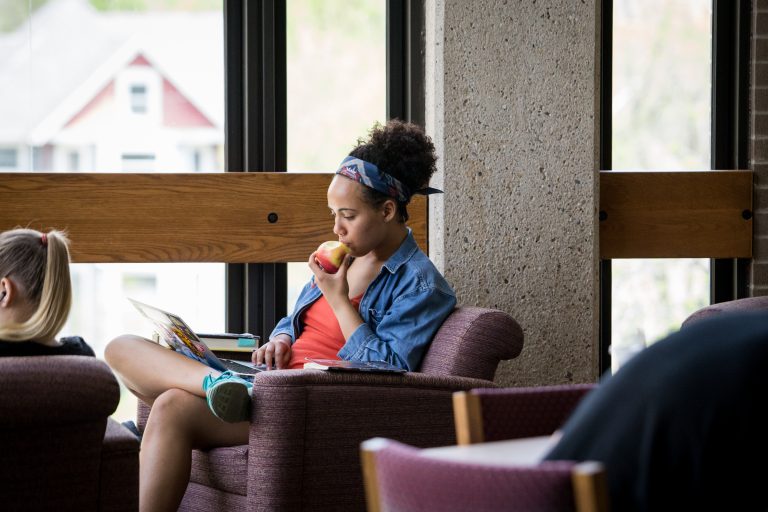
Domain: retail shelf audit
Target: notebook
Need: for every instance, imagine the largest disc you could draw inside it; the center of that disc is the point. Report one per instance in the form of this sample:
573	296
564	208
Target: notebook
177	334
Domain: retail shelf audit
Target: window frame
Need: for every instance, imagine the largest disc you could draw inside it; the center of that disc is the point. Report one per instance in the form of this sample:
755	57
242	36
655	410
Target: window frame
729	139
256	131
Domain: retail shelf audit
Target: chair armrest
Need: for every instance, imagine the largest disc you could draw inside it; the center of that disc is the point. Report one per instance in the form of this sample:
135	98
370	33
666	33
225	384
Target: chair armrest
353	404
55	390
489	335
416	380
119	474
302	378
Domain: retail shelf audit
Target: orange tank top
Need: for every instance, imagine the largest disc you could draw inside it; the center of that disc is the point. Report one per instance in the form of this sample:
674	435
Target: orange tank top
322	337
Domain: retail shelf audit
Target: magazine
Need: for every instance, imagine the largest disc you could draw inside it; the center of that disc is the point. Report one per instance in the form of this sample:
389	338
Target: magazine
177	334
340	365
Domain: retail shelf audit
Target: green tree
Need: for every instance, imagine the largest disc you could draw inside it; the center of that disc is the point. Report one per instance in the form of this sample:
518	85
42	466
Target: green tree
13	13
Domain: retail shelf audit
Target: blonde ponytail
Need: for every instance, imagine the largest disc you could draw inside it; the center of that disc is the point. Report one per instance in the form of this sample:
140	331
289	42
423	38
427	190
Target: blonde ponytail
40	263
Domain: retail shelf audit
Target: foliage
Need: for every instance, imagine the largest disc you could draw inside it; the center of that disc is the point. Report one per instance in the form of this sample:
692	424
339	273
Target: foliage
336	62
157	5
661	121
661	84
13	13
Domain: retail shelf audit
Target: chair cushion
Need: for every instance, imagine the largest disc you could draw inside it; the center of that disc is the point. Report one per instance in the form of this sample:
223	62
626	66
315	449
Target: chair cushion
225	469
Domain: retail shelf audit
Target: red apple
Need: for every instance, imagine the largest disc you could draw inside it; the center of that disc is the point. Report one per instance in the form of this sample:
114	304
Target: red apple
330	255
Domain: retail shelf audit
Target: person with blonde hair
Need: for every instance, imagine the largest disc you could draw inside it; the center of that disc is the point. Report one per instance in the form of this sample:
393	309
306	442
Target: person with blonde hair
35	294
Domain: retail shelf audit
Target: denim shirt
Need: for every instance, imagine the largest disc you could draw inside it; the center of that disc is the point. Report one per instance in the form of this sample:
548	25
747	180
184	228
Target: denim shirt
402	308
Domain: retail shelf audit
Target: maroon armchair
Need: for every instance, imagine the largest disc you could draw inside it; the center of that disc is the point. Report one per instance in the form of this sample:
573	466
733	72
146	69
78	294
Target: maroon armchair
307	425
401	478
59	449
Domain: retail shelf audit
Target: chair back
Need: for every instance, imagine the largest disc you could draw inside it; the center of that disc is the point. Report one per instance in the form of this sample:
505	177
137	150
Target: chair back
482	415
400	478
731	306
53	417
471	343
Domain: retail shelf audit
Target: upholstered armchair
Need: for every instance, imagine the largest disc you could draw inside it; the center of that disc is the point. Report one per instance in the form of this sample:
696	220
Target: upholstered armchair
59	449
401	478
307	425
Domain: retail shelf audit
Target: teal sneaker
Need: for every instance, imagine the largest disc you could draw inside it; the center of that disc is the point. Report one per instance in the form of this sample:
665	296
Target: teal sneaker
229	397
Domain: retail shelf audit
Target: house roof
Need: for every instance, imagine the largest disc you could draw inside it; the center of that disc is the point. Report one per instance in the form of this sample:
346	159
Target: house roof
52	66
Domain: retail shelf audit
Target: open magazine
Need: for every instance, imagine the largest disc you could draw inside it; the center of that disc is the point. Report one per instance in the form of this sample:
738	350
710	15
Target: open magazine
340	365
177	334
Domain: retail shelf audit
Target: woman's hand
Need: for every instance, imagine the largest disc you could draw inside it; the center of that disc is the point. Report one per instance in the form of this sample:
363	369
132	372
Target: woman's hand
276	353
335	287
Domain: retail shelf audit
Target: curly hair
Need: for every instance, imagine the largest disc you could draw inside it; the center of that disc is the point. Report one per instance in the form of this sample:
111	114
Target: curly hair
401	150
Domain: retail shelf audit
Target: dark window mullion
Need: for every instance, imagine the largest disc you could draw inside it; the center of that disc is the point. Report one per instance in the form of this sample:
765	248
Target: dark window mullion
256	142
730	122
405	60
606	142
234	146
265	131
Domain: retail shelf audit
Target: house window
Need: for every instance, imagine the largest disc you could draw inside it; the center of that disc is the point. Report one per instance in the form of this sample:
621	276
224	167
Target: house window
139	99
9	158
197	161
73	161
138	162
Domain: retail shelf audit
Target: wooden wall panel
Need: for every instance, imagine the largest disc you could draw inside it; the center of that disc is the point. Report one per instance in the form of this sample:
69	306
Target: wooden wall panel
180	217
704	214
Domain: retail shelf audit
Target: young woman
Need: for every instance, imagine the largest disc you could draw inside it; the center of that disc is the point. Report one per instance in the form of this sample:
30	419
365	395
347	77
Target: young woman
385	303
35	294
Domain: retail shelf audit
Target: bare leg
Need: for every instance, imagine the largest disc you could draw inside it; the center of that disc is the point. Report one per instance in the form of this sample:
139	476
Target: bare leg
179	422
148	369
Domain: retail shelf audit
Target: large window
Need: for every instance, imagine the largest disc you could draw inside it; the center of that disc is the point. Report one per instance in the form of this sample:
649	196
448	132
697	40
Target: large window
138	86
336	74
662	84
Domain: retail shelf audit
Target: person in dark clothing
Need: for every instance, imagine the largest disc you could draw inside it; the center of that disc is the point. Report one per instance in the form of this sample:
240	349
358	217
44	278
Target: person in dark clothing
35	294
682	425
68	346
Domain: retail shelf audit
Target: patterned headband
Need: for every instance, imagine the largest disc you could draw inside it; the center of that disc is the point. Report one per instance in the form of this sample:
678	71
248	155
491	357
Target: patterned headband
369	175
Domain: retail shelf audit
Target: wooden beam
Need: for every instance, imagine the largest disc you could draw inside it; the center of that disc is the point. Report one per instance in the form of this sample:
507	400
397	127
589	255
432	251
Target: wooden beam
180	217
702	214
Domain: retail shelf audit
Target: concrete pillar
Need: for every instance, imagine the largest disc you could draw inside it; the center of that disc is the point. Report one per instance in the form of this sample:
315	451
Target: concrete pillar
513	106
